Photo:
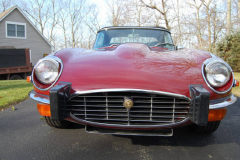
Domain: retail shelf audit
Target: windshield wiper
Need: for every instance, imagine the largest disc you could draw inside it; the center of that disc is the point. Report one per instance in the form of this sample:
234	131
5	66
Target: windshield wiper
114	45
159	44
106	47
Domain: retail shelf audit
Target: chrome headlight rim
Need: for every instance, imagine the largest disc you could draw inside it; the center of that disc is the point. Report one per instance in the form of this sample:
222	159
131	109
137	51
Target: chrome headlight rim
53	59
38	76
229	73
217	60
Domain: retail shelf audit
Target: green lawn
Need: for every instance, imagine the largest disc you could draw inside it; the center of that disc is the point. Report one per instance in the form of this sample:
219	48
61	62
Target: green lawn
236	90
12	92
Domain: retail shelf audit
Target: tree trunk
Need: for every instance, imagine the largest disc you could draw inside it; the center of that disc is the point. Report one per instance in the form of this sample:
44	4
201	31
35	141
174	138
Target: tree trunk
65	38
179	24
239	9
163	11
54	22
209	32
209	25
199	29
165	15
73	37
229	17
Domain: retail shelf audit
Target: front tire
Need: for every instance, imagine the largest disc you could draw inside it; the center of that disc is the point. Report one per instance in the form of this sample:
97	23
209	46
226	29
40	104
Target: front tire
211	127
57	124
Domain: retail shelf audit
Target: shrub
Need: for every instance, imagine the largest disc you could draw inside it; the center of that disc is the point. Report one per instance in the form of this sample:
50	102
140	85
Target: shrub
229	50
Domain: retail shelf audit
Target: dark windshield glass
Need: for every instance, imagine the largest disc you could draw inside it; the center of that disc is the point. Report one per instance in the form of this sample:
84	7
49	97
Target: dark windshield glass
150	37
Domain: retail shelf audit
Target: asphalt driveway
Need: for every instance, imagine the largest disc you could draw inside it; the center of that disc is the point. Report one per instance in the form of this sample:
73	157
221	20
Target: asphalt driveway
24	135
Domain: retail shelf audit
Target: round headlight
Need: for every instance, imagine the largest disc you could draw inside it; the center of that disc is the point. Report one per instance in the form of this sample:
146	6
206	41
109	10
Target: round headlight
217	74
46	71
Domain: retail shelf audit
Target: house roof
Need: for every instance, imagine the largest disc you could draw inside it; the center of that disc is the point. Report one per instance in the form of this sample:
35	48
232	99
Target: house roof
5	13
10	10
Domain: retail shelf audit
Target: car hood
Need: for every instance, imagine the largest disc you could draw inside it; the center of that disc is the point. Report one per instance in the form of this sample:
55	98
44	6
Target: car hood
133	66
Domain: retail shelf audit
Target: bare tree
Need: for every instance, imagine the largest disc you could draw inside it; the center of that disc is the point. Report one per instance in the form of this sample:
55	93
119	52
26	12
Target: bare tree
139	9
75	12
142	13
163	10
178	31
63	24
91	19
207	5
93	25
156	20
5	4
53	19
119	12
197	7
39	12
75	22
218	23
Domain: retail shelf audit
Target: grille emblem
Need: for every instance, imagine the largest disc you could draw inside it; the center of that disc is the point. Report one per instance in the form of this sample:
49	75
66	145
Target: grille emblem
128	103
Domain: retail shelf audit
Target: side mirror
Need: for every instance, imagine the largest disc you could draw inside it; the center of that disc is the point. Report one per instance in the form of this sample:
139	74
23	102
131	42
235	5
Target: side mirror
180	47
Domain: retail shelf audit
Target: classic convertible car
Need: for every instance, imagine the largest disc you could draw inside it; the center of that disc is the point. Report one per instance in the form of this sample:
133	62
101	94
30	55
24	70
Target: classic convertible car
134	81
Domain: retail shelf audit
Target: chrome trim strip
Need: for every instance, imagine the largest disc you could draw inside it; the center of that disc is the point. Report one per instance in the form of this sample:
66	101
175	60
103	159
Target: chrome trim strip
132	27
39	97
129	90
211	60
223	104
129	126
50	58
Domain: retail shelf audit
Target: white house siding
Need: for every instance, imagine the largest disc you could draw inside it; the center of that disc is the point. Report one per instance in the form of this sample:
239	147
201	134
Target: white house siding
34	41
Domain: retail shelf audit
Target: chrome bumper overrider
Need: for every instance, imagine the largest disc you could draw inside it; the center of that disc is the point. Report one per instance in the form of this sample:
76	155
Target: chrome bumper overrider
45	99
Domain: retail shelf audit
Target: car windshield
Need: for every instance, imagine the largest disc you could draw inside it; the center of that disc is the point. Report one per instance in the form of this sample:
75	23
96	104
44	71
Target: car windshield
150	37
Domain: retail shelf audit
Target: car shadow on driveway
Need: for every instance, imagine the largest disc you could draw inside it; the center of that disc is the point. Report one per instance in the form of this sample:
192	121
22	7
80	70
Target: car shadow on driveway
181	137
228	132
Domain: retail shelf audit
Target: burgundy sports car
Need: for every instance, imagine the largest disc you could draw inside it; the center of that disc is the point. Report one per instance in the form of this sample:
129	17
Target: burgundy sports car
134	81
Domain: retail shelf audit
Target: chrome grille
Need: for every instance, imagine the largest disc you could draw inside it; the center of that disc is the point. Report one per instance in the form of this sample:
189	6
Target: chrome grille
148	109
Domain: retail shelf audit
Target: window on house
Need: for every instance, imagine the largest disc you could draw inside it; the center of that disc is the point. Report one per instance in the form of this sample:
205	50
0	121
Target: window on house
16	30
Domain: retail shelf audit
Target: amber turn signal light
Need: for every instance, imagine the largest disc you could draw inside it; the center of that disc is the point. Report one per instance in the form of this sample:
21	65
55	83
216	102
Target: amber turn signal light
216	114
237	83
44	109
28	78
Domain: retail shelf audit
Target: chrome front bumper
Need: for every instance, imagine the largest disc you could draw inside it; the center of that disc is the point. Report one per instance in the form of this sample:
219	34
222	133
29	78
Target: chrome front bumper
39	97
229	101
198	111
